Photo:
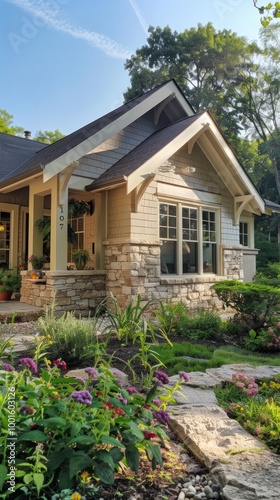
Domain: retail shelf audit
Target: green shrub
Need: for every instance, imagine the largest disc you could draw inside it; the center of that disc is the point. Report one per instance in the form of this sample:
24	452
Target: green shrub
205	325
271	275
255	301
169	317
68	337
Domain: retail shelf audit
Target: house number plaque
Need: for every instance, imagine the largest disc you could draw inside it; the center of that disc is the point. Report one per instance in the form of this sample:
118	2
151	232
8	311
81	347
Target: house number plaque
61	218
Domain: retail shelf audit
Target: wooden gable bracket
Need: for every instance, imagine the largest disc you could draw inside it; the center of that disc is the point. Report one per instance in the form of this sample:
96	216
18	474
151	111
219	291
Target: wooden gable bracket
160	107
193	140
63	180
240	203
139	191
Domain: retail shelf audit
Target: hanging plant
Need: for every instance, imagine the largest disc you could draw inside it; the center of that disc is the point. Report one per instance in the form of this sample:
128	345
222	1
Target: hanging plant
76	208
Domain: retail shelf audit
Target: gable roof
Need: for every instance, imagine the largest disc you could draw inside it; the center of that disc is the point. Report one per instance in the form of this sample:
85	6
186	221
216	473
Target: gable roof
142	153
14	150
62	153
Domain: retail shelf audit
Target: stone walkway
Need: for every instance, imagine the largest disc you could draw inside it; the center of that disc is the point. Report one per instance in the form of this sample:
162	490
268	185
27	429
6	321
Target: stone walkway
237	462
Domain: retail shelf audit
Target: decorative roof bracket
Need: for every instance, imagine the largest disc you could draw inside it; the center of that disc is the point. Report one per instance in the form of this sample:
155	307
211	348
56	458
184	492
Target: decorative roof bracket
160	107
240	203
193	140
139	191
63	180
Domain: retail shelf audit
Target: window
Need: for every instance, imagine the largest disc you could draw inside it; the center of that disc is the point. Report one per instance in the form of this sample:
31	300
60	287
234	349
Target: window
189	239
244	234
77	225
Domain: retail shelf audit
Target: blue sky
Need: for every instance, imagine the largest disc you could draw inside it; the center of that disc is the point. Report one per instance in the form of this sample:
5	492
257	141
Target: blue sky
63	60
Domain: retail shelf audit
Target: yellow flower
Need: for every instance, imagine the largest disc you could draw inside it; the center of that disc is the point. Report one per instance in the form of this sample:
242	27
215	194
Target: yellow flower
49	337
272	433
76	496
85	476
47	361
11	342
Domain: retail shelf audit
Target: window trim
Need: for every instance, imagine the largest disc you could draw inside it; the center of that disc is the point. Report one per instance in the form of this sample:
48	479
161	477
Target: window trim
199	207
251	236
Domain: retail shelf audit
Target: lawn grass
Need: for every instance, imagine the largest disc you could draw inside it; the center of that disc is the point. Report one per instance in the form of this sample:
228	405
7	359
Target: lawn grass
172	357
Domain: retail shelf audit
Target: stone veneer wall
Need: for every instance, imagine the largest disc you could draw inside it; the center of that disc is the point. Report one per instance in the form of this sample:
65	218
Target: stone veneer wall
79	291
134	268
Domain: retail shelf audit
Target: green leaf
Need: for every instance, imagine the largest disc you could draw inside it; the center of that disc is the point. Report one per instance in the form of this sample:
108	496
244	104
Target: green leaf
53	422
151	394
156	453
28	478
38	479
136	431
112	441
64	480
79	461
104	456
104	473
116	455
132	457
82	440
57	458
37	436
3	475
45	375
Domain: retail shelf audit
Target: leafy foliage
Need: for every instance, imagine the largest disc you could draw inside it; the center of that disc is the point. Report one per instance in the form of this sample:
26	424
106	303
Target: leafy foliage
68	337
255	301
73	433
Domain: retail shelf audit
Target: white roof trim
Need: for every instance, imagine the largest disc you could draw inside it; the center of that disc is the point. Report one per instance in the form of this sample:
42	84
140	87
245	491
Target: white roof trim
55	166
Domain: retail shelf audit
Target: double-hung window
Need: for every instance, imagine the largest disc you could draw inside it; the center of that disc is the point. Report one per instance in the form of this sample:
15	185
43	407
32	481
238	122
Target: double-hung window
189	238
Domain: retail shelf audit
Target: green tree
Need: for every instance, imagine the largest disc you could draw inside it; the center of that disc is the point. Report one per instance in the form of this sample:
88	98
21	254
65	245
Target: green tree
269	12
6	124
204	63
48	137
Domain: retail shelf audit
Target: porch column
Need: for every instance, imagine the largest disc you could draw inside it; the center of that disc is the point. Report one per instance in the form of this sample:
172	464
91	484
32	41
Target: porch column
36	211
59	218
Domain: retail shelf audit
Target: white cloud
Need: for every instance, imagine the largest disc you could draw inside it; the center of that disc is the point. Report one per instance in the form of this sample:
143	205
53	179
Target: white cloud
51	15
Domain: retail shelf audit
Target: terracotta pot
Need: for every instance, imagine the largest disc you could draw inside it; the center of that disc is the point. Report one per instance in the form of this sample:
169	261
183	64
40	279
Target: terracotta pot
6	295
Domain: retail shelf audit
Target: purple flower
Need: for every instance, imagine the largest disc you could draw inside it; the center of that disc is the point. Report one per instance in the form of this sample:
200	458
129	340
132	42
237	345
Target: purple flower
132	390
162	416
122	399
120	382
7	367
117	373
29	363
80	379
92	373
185	376
157	401
83	397
162	377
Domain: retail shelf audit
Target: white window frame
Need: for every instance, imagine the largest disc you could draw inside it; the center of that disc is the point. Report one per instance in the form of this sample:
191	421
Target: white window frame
179	256
251	236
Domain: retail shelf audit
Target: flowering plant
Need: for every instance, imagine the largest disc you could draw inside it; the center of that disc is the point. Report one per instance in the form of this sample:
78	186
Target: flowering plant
37	262
74	432
266	339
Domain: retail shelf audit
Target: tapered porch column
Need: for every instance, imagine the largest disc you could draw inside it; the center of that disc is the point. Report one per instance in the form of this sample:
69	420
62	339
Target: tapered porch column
59	218
36	211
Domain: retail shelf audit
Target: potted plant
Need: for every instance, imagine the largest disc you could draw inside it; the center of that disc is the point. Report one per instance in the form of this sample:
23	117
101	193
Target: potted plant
10	281
80	258
37	262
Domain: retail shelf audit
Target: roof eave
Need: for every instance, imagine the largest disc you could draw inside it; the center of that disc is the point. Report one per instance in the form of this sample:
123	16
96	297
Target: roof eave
20	180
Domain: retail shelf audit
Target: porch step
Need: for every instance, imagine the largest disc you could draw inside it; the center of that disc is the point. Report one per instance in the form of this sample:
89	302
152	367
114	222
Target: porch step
24	312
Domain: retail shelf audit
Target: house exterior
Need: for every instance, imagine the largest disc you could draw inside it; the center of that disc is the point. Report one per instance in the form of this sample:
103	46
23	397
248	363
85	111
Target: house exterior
172	208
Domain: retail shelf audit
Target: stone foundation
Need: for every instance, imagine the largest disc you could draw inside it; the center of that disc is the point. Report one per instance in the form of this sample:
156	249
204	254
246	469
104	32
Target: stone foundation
79	291
134	268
